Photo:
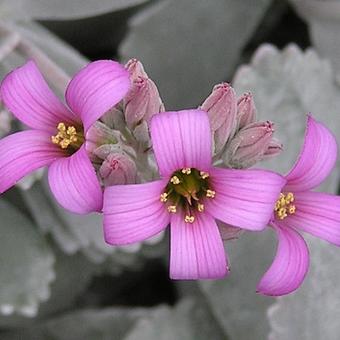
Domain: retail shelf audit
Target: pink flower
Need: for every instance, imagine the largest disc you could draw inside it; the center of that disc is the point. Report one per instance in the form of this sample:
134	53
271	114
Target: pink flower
190	195
57	134
300	209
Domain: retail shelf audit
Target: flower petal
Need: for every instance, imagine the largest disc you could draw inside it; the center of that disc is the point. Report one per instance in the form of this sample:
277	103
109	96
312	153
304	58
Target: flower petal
24	152
74	183
133	213
316	159
290	265
181	139
318	214
27	95
197	250
244	198
97	88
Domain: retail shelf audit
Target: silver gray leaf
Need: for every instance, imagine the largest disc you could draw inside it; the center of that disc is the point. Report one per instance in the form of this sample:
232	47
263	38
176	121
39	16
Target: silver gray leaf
188	46
26	264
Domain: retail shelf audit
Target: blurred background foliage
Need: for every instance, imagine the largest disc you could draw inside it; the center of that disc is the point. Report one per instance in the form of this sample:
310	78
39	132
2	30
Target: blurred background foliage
58	279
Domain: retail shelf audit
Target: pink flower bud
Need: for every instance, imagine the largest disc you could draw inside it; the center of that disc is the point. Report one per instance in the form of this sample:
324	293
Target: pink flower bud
274	148
221	107
114	118
246	111
249	145
100	134
118	168
141	133
136	69
142	102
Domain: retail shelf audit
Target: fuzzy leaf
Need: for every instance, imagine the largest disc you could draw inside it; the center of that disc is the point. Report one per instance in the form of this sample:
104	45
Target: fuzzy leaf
64	9
286	85
190	319
188	46
26	264
83	233
233	301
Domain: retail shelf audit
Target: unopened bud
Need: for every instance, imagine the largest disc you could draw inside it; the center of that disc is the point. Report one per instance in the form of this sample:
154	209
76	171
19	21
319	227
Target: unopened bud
246	111
221	107
103	151
274	148
141	102
249	145
118	168
141	133
114	119
100	134
136	69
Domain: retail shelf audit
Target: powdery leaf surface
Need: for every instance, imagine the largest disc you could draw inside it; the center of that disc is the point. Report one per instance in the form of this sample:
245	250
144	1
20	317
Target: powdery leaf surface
26	264
83	233
188	46
190	319
286	85
233	301
62	9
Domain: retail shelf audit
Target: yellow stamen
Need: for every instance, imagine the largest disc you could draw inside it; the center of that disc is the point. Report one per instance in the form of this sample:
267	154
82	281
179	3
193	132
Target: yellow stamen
175	180
172	209
189	219
164	197
210	193
186	171
204	174
200	207
67	136
284	206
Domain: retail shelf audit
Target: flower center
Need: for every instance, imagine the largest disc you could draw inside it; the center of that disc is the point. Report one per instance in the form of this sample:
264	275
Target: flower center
68	137
187	189
284	206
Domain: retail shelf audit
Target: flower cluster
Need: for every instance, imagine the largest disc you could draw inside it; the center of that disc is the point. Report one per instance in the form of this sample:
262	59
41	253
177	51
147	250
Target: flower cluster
113	149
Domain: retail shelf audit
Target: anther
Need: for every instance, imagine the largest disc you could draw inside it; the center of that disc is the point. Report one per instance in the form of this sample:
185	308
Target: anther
210	193
66	136
200	207
189	219
204	174
186	171
284	206
164	197
172	209
175	180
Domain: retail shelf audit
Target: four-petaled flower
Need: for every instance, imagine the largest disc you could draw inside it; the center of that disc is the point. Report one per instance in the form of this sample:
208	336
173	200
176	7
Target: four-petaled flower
299	209
190	195
57	134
